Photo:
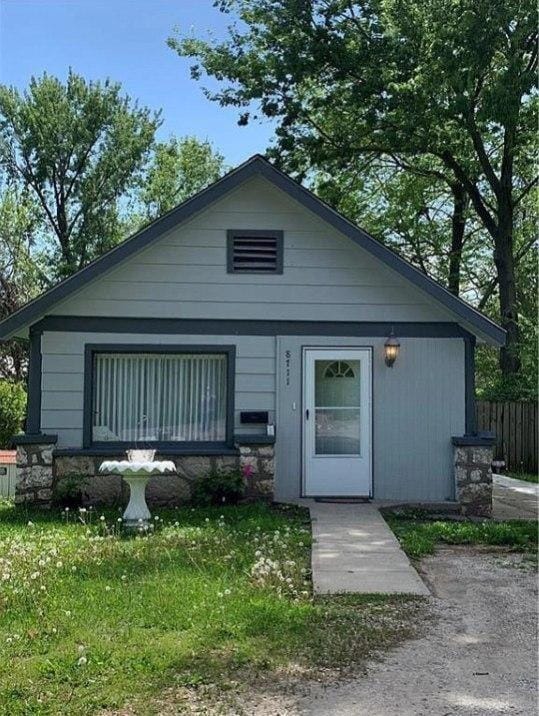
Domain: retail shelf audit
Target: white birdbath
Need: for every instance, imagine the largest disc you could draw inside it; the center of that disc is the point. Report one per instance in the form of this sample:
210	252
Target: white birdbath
136	471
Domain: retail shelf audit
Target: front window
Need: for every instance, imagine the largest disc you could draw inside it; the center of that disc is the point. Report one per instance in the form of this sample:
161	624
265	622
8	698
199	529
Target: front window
159	397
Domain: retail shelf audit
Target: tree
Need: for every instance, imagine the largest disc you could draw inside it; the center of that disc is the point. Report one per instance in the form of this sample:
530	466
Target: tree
451	80
20	276
178	169
78	147
12	410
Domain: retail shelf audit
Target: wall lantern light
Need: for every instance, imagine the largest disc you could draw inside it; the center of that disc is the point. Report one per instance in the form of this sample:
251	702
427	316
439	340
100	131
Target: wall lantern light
391	349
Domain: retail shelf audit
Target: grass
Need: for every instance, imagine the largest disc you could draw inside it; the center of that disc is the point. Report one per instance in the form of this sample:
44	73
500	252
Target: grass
92	621
419	536
527	476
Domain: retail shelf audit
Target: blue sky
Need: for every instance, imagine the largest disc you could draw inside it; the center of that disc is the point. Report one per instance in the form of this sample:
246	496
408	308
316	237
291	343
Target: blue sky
126	41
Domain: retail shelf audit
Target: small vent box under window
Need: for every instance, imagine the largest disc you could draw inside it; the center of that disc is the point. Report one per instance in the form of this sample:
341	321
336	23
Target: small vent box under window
254	251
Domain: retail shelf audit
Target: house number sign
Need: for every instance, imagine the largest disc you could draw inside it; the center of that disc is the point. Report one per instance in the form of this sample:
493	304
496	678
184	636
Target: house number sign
287	362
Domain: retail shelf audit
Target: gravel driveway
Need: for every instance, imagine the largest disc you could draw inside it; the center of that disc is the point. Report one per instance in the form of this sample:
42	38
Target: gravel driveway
477	657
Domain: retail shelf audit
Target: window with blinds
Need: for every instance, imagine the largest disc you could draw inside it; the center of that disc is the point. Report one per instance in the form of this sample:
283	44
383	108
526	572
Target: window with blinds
159	397
254	251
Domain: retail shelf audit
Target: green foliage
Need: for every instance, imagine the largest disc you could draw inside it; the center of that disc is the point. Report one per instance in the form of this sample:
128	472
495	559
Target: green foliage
218	488
526	476
12	410
348	83
178	169
69	492
420	537
20	276
78	147
92	622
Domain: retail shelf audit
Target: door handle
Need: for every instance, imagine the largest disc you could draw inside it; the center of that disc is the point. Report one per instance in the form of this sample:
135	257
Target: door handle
307	414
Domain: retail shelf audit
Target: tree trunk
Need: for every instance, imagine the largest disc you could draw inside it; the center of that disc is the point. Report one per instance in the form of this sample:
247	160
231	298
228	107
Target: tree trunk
505	266
458	227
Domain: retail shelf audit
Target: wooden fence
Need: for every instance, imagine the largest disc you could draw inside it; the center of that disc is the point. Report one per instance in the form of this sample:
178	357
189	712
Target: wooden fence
515	425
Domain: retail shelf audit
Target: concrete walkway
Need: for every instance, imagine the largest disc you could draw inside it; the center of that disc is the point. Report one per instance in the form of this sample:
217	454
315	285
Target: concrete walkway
514	499
355	551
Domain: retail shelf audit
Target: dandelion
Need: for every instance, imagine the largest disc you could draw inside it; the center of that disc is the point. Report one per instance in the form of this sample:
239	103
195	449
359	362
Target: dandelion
102	518
82	661
73	568
34	575
119	519
207	519
227	592
107	588
30	523
124	577
68	613
59	564
220	595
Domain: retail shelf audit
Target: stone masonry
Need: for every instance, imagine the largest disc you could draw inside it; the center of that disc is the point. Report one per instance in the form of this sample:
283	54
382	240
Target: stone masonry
34	474
473	479
256	463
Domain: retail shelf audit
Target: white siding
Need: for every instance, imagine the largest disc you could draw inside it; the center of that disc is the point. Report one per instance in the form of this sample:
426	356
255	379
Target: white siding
418	405
63	375
183	275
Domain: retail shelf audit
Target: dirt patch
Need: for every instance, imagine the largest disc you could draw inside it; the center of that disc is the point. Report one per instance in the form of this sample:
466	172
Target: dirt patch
478	656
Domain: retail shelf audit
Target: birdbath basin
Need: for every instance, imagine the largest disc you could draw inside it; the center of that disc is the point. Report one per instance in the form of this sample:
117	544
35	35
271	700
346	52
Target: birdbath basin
136	471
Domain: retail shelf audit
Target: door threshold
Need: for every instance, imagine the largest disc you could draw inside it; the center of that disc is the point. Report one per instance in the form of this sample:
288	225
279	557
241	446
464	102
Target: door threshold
343	500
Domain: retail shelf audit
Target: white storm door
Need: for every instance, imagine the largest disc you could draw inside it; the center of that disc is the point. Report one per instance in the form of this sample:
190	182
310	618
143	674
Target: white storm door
337	422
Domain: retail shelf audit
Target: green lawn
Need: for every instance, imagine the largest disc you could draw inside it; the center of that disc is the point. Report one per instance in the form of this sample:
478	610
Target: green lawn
419	536
92	621
527	476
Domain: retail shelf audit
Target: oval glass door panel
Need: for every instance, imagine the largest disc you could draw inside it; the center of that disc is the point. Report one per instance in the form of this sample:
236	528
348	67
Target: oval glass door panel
337	407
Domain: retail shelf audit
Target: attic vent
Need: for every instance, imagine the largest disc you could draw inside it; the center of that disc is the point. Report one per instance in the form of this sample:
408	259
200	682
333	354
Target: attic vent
255	251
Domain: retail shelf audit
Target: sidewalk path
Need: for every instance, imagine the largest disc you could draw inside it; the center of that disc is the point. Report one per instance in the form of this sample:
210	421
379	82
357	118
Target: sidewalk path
355	551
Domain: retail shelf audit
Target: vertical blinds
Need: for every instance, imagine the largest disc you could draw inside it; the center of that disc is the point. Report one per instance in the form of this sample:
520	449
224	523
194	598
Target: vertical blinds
160	397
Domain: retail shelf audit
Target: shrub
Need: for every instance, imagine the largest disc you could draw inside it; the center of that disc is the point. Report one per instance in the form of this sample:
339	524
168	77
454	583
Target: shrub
69	492
12	410
218	488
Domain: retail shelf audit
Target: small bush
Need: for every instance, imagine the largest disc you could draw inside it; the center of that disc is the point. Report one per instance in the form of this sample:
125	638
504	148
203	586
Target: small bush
69	492
218	488
12	410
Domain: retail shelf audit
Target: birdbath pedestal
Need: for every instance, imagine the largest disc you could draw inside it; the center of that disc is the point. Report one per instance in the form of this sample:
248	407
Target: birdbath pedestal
137	472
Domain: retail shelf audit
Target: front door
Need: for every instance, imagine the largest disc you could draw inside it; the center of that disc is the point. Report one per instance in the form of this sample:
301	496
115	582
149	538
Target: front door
337	422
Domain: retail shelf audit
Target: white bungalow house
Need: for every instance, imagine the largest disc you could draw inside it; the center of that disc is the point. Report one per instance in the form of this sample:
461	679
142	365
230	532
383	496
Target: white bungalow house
254	324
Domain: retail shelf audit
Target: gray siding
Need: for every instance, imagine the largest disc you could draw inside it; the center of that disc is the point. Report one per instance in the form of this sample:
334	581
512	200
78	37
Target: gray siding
63	376
418	405
326	275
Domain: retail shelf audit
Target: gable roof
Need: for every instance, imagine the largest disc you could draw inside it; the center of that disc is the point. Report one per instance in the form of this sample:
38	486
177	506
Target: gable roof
255	166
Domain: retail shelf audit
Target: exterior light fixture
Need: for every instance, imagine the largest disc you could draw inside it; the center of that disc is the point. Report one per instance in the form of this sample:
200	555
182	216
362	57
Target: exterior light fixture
391	349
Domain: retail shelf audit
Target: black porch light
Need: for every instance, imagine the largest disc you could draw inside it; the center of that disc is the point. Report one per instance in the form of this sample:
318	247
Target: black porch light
391	349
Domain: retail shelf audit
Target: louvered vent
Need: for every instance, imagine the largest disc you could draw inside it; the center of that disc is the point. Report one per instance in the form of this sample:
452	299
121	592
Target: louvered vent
255	252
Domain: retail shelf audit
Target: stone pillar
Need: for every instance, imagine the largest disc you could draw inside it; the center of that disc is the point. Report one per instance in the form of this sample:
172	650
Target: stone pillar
473	475
257	464
34	469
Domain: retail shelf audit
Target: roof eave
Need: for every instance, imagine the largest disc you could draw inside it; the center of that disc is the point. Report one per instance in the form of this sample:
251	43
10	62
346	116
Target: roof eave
484	327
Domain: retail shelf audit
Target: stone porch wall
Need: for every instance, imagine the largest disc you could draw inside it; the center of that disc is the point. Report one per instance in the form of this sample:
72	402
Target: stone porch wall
473	476
41	475
34	473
